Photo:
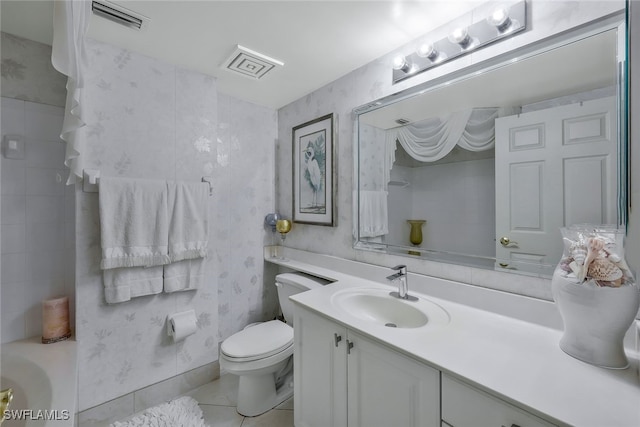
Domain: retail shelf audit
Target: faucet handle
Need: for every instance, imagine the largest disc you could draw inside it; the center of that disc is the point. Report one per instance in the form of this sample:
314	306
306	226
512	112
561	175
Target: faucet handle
401	267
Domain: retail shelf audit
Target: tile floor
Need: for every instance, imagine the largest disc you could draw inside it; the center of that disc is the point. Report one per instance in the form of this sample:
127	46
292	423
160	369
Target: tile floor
218	403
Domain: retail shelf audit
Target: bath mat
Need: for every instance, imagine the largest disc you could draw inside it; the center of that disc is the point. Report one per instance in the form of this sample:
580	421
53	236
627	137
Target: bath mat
181	412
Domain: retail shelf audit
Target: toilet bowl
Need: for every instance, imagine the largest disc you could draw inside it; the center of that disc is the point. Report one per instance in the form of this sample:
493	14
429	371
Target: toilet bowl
261	354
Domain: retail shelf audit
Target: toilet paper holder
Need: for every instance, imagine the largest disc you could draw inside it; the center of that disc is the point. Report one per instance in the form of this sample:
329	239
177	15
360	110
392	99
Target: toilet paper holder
181	325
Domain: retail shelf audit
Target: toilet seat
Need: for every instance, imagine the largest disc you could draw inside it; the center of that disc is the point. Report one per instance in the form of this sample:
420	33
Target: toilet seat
258	342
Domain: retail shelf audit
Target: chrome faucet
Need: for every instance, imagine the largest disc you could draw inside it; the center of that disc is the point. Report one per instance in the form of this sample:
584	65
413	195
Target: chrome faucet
403	285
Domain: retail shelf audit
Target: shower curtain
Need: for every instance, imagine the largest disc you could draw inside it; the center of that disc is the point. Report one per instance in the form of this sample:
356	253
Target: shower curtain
70	22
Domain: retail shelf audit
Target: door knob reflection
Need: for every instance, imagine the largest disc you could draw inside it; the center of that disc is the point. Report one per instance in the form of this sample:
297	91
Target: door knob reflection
506	242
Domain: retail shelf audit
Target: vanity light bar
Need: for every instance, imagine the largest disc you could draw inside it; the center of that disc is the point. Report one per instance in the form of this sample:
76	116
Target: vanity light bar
503	22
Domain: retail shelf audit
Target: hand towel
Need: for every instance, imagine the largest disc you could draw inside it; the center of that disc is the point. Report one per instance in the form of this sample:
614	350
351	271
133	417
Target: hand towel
122	284
134	222
189	224
374	219
184	275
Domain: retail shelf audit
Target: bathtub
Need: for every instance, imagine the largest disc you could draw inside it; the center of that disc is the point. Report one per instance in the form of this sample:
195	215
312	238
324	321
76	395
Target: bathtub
44	382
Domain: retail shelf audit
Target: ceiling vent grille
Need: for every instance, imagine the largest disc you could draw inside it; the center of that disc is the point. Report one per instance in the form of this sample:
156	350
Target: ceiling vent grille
119	14
250	63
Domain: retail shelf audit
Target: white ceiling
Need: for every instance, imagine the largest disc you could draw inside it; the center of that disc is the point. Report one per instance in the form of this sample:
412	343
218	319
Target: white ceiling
318	41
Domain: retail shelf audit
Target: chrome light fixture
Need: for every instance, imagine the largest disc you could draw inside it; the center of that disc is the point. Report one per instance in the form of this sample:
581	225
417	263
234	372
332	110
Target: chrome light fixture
503	22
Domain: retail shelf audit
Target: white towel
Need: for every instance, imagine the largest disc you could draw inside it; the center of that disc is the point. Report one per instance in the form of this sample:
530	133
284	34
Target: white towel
374	218
184	275
189	225
134	222
188	236
122	284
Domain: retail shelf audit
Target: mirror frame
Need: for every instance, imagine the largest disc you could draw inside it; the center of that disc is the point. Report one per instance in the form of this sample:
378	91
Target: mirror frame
615	21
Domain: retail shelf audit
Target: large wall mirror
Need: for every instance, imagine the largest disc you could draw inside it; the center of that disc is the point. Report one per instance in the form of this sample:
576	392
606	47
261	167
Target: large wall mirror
484	167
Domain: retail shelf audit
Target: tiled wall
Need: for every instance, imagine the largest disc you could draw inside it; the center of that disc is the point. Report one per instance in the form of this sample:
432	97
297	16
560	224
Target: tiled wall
27	72
150	119
373	81
37	236
245	152
467	217
450	220
38	222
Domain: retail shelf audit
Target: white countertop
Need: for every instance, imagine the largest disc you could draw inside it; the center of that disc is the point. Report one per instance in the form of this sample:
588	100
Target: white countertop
518	361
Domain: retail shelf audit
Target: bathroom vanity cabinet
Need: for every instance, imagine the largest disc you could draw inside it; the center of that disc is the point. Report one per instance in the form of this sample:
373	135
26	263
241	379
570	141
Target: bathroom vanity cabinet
342	378
466	406
491	365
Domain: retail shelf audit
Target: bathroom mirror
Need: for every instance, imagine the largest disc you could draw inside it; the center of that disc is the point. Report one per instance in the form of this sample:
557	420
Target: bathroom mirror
482	167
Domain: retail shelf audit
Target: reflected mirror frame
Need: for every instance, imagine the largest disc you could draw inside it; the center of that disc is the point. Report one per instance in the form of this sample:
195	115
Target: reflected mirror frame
615	21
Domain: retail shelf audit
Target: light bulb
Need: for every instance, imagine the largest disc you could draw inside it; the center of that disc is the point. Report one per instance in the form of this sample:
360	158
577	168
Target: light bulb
400	63
500	19
460	36
427	50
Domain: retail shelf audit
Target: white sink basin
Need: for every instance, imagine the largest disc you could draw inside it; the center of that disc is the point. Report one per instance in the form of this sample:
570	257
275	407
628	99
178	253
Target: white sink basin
377	306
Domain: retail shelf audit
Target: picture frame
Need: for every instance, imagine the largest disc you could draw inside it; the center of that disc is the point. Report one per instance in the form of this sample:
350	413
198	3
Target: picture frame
314	187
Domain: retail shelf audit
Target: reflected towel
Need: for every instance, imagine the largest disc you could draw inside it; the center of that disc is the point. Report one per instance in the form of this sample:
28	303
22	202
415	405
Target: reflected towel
374	218
134	222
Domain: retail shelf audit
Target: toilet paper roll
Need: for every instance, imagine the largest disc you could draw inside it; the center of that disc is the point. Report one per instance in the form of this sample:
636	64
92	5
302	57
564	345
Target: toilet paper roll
181	325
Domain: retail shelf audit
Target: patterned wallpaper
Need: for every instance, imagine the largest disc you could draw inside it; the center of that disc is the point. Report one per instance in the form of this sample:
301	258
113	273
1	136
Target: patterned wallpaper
150	119
27	72
373	81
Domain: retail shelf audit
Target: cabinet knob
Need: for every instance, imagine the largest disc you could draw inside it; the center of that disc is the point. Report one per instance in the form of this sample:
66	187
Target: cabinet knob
337	338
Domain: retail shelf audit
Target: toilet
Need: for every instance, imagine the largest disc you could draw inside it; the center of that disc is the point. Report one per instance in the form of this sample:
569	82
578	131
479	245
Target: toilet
261	354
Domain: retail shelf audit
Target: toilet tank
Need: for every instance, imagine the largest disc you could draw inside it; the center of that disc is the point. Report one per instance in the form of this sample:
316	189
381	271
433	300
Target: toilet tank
293	283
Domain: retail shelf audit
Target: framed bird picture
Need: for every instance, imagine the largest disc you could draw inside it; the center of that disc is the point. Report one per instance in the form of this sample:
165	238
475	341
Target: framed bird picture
313	172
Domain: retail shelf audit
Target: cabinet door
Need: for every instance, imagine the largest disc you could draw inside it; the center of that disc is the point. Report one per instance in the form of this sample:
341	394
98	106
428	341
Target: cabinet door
320	371
465	406
386	388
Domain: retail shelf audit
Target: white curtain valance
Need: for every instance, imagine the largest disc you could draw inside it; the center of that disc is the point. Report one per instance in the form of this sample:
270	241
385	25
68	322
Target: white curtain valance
431	139
70	22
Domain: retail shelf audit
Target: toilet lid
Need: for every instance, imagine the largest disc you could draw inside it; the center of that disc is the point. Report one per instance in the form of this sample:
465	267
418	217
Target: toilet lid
259	341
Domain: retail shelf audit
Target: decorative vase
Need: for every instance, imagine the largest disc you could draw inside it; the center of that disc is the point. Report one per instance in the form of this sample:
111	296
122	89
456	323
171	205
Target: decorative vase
415	235
596	295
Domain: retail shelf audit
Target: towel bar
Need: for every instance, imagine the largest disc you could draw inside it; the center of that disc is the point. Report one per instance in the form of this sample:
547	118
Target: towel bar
208	180
91	181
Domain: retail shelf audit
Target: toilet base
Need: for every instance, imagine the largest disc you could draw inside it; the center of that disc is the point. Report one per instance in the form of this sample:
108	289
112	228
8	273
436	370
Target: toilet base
257	394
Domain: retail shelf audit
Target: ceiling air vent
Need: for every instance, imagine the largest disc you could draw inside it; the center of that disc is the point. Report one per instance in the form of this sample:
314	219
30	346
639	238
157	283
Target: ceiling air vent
250	63
402	121
119	14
